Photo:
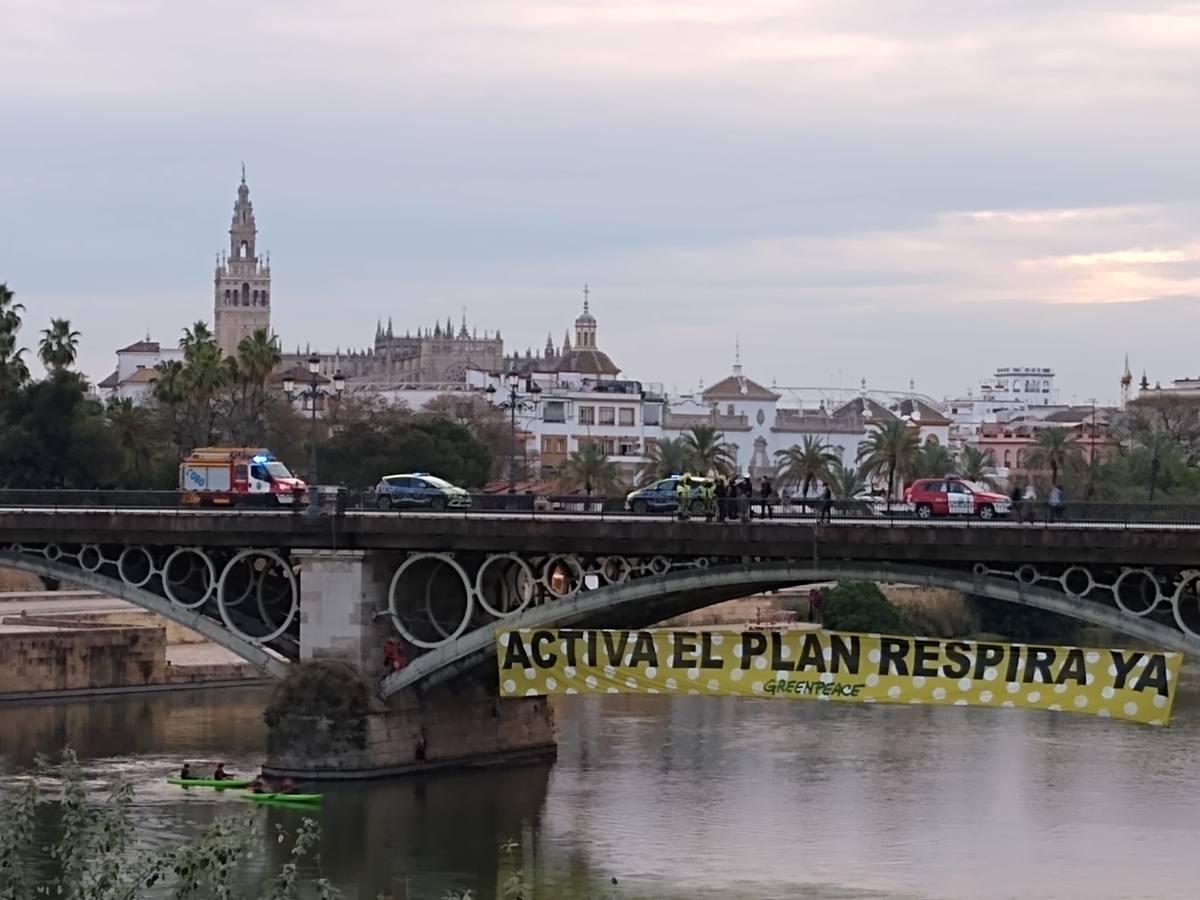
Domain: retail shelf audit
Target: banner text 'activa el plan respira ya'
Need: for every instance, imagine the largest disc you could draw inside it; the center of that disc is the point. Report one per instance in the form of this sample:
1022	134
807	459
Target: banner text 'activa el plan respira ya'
828	665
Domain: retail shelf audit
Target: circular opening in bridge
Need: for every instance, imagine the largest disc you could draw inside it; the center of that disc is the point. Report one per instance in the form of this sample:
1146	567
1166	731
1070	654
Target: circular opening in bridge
189	577
1077	582
52	552
90	558
430	599
239	579
616	570
135	565
269	577
1027	574
1137	591
563	576
660	565
504	585
1186	605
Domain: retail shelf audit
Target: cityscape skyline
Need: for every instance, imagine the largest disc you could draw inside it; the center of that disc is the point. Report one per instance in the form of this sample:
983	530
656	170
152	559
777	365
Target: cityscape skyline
920	198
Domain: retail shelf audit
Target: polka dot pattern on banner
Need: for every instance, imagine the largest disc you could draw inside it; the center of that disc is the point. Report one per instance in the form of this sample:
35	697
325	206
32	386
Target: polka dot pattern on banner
846	668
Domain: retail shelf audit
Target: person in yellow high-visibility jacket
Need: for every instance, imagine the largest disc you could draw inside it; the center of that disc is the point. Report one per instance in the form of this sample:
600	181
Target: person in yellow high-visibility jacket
683	496
708	493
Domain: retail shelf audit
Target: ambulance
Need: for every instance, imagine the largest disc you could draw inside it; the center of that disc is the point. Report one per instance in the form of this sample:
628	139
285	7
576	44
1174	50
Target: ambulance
229	476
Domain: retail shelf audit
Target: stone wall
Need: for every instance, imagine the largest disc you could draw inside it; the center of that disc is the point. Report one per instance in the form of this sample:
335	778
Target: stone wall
464	726
32	661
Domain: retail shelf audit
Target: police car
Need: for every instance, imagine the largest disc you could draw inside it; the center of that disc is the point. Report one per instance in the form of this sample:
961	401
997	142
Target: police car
418	490
660	496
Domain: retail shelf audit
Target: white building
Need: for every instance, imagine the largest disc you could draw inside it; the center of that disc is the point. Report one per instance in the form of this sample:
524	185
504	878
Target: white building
1009	392
136	372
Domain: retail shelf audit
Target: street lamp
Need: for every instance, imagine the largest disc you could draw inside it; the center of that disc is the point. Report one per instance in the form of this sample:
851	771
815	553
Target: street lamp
516	402
311	390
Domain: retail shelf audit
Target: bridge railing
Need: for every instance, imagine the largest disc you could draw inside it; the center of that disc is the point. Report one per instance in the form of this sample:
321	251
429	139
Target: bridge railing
336	501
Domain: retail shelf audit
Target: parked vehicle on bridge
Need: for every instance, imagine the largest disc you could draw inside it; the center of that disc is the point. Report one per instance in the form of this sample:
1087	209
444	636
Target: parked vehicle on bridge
955	497
419	490
661	495
229	476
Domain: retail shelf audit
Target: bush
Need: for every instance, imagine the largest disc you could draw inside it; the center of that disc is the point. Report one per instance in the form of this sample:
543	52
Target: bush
95	853
861	606
330	694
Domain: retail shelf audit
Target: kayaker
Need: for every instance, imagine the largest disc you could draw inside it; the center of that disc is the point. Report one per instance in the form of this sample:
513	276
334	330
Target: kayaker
257	786
286	786
220	774
186	772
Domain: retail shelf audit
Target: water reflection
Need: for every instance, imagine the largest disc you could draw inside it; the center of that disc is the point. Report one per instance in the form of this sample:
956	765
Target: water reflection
696	797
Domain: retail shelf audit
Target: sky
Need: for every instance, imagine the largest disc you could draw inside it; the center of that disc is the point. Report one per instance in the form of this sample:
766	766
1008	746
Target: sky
885	190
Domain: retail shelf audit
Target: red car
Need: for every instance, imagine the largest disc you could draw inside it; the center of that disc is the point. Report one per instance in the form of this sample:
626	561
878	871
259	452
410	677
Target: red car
955	497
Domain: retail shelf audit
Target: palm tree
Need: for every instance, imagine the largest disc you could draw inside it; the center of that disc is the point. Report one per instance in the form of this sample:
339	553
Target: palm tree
667	457
805	463
195	338
590	469
59	345
10	311
136	436
891	448
973	465
707	451
257	357
1055	450
846	482
932	461
13	370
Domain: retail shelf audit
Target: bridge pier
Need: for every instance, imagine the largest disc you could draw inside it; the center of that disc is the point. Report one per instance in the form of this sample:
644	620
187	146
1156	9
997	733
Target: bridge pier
461	723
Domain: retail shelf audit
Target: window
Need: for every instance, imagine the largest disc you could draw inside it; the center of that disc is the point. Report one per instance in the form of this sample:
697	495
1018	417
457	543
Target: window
608	416
263	298
244	251
587	415
625	416
241	473
259	473
1007	458
554	444
729	409
607	445
627	448
554	411
245	294
652	414
1046	387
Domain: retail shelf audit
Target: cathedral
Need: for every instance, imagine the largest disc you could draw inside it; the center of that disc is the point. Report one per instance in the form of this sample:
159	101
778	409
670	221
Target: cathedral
437	355
242	284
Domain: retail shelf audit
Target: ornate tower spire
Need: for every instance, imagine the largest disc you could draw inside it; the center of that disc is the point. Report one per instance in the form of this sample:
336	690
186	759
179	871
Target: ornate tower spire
242	285
1126	384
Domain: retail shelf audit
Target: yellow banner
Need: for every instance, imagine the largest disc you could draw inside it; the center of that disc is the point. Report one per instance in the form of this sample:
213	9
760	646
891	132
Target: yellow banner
850	668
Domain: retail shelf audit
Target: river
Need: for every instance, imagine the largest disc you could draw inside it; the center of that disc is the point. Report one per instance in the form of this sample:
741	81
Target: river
693	797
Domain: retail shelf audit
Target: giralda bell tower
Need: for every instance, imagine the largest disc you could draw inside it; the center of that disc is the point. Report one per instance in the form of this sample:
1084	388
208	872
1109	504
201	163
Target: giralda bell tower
242	296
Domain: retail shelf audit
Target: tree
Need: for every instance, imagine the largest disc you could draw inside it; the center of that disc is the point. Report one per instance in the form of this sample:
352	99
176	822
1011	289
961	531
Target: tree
973	465
395	441
484	420
891	448
1055	450
59	345
589	469
846	482
707	451
861	606
668	457
802	464
140	443
13	370
248	373
932	461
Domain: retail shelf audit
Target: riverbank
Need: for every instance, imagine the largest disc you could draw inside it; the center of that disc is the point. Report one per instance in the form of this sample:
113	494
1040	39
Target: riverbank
57	644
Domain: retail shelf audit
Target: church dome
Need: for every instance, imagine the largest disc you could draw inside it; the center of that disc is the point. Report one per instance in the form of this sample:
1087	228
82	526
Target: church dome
586	361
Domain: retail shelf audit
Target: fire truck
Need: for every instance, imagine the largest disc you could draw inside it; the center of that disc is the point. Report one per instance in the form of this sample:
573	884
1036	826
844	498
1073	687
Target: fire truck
228	476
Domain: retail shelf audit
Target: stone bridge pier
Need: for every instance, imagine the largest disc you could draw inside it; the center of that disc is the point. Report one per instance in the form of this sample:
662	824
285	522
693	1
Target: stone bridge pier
344	622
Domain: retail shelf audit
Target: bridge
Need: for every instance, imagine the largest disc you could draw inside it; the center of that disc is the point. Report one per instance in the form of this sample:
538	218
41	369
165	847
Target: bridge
277	588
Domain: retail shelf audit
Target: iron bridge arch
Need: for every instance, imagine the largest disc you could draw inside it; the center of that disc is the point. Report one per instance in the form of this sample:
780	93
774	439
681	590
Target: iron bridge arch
645	601
108	576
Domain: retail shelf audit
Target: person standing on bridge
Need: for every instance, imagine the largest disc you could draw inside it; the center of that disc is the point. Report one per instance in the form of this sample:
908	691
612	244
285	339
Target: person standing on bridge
826	505
683	497
745	494
721	497
1058	503
764	492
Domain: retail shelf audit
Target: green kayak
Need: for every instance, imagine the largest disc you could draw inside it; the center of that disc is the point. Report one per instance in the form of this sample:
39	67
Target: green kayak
219	784
297	799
